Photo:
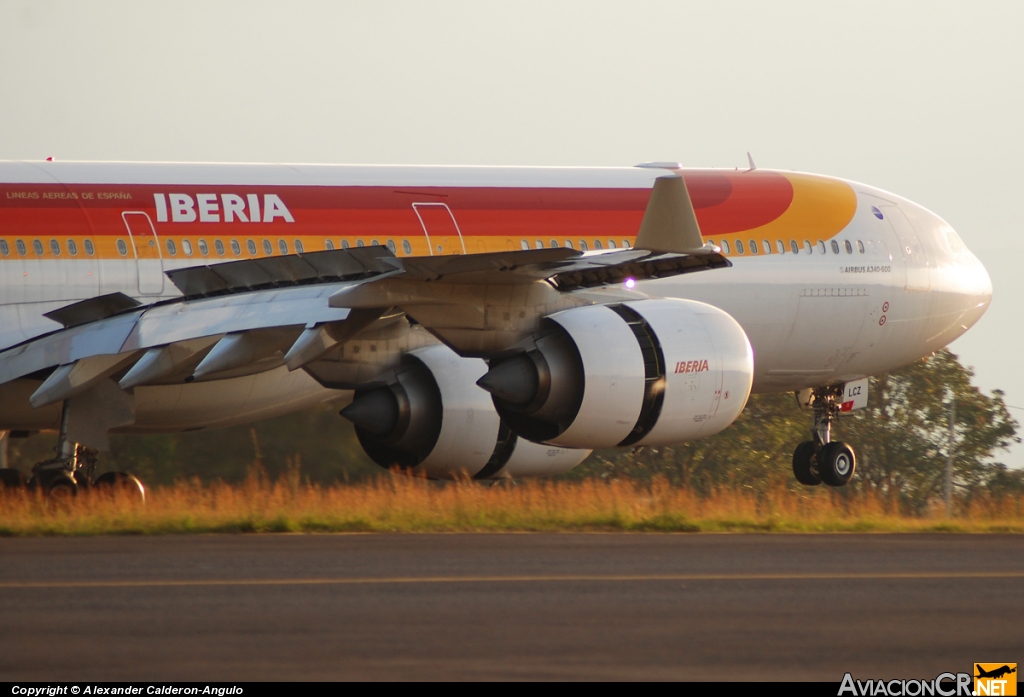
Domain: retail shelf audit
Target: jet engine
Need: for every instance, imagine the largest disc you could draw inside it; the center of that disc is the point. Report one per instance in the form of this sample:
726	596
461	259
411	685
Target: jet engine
430	417
649	372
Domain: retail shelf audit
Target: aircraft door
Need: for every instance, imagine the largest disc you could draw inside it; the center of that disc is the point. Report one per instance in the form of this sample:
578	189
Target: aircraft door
914	256
146	247
439	225
827	327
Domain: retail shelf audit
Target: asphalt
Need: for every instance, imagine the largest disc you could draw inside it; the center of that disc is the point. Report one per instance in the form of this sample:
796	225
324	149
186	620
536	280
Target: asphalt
515	606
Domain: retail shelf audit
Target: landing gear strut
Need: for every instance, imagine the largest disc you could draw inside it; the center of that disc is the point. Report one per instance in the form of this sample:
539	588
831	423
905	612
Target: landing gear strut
822	460
73	467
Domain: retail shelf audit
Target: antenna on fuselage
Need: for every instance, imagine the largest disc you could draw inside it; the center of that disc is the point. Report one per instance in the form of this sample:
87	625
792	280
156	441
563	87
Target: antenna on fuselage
751	161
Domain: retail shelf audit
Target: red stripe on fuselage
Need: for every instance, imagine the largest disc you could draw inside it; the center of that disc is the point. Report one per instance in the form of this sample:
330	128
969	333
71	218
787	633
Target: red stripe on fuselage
724	203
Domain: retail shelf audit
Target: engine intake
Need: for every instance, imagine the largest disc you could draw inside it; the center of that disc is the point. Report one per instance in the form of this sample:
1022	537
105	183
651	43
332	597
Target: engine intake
431	418
649	372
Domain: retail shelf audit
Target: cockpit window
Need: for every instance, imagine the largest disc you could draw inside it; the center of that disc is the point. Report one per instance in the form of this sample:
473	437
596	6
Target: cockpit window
956	245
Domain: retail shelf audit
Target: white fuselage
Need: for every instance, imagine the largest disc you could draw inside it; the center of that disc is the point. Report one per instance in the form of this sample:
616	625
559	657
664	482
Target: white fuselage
888	286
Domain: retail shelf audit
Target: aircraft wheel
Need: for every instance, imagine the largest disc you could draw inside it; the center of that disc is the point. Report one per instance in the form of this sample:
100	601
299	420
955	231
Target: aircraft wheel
803	461
60	488
120	481
12	479
837	463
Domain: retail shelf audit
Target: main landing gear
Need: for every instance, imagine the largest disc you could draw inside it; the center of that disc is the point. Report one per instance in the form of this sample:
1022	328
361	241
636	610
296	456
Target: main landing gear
71	471
822	459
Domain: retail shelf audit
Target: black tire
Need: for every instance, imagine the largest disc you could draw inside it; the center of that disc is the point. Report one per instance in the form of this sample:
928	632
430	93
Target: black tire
12	479
61	488
837	463
804	465
120	481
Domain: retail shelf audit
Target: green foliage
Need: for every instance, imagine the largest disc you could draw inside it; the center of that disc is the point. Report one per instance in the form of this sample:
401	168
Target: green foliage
318	443
901	440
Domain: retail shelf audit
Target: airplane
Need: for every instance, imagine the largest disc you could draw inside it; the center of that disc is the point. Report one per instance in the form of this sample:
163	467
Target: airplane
995	672
483	322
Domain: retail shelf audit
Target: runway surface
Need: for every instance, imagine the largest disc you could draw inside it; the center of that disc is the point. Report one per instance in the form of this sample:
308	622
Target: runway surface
543	606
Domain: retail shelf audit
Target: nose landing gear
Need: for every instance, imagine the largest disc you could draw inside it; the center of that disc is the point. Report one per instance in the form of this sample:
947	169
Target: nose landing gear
822	459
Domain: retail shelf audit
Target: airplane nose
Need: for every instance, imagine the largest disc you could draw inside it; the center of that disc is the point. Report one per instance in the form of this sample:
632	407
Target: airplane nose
987	288
979	283
972	285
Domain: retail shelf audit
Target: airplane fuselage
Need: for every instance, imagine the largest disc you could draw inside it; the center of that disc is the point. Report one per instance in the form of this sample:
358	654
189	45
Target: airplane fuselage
831	280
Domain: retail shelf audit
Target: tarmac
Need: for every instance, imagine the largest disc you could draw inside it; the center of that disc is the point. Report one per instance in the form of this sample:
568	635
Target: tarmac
508	606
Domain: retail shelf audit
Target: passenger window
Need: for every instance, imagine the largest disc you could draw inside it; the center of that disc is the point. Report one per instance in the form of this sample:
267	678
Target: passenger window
553	244
767	247
524	244
21	248
391	247
268	248
849	247
4	249
235	248
725	247
282	246
55	248
186	247
539	244
406	247
794	247
203	248
344	244
860	246
89	249
807	247
373	243
583	246
739	246
328	245
172	249
625	244
72	248
568	244
780	247
611	244
835	247
597	244
122	248
298	247
753	247
251	246
821	246
219	246
360	243
37	247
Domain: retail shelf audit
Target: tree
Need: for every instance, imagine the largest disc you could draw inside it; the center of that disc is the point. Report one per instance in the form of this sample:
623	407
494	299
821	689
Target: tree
901	439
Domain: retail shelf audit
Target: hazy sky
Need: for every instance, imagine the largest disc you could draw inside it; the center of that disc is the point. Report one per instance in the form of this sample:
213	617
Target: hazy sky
922	98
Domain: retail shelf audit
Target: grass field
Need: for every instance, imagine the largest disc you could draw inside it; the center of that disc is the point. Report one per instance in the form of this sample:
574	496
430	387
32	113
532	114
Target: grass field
403	504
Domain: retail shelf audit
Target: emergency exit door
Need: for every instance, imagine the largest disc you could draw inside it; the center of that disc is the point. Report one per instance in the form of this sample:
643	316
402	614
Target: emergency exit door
441	229
146	248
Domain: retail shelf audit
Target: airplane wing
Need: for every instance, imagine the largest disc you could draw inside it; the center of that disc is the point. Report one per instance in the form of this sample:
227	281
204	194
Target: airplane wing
241	317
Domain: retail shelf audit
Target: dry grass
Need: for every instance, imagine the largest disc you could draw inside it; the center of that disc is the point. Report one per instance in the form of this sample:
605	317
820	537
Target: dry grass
402	504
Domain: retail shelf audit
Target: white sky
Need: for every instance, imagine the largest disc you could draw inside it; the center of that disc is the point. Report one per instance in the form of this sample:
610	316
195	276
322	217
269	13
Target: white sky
922	98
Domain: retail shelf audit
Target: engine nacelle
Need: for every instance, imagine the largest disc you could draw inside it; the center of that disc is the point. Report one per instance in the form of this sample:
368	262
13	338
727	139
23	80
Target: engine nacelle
431	418
648	372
